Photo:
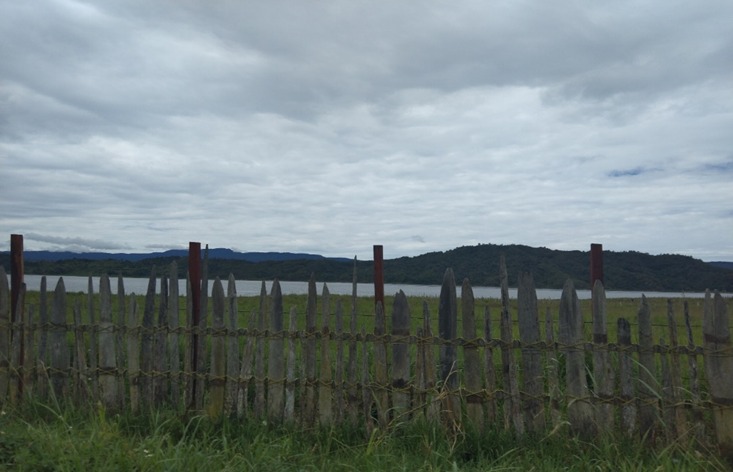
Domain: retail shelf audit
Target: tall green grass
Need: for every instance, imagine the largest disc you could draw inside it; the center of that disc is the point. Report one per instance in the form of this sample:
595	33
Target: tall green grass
39	437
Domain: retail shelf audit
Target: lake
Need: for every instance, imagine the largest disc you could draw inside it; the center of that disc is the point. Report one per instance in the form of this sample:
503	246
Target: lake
245	288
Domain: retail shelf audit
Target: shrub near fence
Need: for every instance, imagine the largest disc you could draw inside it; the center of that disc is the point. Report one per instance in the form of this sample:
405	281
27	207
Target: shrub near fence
140	358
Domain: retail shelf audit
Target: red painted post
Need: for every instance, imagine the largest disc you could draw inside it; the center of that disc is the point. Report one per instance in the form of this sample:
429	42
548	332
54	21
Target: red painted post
194	277
16	273
17	276
378	275
596	263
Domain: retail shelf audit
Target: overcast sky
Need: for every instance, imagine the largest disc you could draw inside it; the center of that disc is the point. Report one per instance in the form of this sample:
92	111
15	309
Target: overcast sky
328	127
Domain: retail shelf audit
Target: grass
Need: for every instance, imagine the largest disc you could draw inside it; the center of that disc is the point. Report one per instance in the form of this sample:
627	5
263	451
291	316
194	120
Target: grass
38	437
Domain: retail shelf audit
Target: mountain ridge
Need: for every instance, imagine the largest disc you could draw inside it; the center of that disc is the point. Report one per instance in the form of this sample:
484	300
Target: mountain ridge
625	270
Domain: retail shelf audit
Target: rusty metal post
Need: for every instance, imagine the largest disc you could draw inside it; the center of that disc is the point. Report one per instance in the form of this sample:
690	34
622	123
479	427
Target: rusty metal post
378	274
17	276
16	273
596	264
194	277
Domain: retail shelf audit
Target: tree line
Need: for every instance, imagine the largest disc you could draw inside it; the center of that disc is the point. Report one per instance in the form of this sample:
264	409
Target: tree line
627	270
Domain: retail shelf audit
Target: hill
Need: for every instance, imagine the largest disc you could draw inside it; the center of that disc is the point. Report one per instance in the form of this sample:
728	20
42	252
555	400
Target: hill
628	270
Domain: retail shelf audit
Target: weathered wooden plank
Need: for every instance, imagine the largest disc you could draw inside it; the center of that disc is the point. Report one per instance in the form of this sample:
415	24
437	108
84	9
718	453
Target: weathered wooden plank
352	381
649	389
260	387
419	395
160	375
291	379
276	360
489	369
245	376
626	378
309	355
29	354
432	410
367	392
133	353
447	330
678	417
400	355
667	402
694	383
189	346
16	356
42	379
57	342
339	389
602	372
200	367
553	384
93	372
233	366
174	350
325	387
718	368
120	328
529	335
570	335
512	404
107	347
4	335
217	376
81	371
472	364
381	386
146	344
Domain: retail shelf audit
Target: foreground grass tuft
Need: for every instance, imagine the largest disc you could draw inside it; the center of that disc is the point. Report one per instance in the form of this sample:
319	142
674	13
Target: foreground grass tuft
41	438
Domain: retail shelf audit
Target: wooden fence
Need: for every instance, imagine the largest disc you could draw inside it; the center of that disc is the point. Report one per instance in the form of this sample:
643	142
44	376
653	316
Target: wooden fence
315	370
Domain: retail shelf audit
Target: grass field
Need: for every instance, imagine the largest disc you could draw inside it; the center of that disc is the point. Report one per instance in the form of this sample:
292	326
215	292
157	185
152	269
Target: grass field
39	437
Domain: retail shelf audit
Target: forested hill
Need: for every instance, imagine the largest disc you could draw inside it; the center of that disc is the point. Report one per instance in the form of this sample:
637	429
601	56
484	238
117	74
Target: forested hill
627	270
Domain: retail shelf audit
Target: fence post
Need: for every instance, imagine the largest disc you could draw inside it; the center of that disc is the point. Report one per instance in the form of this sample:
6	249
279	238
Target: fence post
107	347
352	390
648	386
718	368
447	327
381	395
472	372
529	334
580	412
512	407
217	393
596	263
57	340
146	344
276	362
379	274
602	372
400	353
309	354
232	346
17	275
626	383
4	335
194	285
259	406
174	364
325	387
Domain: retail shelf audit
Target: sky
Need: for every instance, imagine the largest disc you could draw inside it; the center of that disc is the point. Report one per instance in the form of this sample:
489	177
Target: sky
328	127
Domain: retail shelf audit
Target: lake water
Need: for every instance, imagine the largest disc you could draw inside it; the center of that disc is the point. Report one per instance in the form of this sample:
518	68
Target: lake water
75	284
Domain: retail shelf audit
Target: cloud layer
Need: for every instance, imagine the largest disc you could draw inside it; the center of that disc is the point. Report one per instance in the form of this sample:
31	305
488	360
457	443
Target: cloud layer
328	128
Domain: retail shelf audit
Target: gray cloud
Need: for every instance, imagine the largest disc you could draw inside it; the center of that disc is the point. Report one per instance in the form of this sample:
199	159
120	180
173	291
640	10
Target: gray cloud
328	128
